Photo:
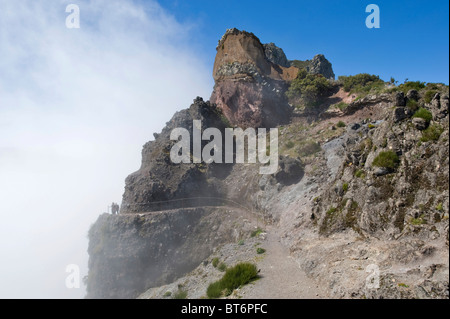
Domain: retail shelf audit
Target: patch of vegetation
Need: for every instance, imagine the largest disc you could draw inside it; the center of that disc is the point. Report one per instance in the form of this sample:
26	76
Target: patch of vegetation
403	285
411	85
345	187
360	173
290	144
235	277
301	64
423	114
260	251
418	221
361	83
241	242
371	126
429	95
167	294
256	232
432	133
341	124
331	211
388	159
341	106
309	148
309	87
215	262
440	207
180	294
412	105
222	267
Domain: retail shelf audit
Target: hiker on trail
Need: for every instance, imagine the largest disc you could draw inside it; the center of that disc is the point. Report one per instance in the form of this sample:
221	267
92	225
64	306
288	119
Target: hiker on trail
114	208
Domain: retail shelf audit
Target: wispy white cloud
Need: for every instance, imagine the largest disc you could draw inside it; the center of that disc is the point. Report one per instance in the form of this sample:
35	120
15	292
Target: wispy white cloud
76	106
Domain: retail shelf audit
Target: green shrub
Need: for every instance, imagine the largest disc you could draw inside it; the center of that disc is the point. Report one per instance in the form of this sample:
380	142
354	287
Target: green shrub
418	221
388	159
222	267
432	133
429	95
309	87
360	173
215	262
371	126
412	105
241	242
341	124
167	294
424	114
235	277
411	85
215	290
341	106
180	294
362	82
256	232
440	207
260	250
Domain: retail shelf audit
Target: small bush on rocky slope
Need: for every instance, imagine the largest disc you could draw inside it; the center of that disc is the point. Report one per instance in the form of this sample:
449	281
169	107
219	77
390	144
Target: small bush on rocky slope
432	133
387	160
363	82
235	277
411	85
424	114
308	87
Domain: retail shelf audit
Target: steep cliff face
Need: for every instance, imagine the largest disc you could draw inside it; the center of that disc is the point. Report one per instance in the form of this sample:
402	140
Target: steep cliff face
130	253
160	184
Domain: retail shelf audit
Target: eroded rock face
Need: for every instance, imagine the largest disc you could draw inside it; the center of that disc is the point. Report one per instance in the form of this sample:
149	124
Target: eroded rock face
249	87
320	65
276	55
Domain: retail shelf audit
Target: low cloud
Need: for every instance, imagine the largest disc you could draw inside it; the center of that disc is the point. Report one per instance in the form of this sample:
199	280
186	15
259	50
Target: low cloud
76	106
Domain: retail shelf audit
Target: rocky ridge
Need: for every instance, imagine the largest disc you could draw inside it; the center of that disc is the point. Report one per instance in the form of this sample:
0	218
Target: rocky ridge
334	210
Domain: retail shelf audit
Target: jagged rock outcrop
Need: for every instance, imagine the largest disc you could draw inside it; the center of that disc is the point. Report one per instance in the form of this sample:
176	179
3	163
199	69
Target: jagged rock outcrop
276	55
318	65
250	89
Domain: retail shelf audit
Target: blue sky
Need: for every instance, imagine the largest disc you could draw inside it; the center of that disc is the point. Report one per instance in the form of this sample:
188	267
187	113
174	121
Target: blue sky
413	41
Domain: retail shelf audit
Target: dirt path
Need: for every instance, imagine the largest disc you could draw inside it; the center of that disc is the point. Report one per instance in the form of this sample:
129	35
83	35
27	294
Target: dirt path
281	276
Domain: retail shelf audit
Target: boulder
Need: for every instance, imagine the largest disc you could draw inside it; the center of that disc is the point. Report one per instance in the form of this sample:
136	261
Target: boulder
290	171
399	99
413	95
400	113
420	123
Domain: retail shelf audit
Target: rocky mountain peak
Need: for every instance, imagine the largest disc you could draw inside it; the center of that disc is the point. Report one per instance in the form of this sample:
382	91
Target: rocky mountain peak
249	86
